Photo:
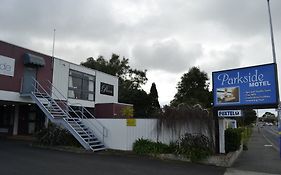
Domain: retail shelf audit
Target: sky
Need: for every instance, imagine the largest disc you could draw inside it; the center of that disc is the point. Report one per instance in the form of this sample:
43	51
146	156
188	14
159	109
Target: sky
164	37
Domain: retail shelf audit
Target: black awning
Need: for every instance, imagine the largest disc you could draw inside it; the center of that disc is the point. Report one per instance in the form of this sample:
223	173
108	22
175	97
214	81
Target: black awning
33	60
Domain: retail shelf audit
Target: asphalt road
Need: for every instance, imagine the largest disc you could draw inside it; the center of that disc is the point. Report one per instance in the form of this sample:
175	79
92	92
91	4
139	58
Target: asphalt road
271	134
260	157
18	158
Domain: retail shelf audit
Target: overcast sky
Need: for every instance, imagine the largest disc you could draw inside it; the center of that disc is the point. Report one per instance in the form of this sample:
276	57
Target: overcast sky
166	37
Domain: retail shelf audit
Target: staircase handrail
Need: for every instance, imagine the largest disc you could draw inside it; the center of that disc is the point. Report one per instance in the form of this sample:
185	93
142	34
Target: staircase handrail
41	87
65	105
104	131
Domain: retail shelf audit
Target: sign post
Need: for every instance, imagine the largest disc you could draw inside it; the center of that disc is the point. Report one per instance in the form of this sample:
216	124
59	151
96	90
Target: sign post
279	126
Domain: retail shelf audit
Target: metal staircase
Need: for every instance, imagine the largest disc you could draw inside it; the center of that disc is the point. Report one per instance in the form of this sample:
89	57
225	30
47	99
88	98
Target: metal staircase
56	107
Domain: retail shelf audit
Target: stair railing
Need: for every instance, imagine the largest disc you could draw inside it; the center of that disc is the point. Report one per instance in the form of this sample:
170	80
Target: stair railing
84	110
36	86
99	127
36	90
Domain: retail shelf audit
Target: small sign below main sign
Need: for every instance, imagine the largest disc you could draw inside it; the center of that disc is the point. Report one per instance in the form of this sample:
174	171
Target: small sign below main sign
229	113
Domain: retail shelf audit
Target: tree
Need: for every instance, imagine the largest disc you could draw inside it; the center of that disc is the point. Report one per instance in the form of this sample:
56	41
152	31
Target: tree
130	81
249	117
269	117
153	98
118	67
193	89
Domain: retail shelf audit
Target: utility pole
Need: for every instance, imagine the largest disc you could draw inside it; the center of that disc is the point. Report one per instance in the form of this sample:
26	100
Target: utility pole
274	61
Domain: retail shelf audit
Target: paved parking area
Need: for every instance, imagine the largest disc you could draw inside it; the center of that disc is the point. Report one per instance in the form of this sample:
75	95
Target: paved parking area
18	158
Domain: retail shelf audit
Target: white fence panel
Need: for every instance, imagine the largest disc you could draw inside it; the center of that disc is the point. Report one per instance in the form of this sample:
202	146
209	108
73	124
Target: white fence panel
121	137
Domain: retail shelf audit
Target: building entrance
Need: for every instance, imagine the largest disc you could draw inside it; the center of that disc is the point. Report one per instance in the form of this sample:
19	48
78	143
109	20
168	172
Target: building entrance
31	119
6	119
28	83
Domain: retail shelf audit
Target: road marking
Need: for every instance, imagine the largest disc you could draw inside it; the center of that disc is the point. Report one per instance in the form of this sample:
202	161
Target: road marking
267	145
275	147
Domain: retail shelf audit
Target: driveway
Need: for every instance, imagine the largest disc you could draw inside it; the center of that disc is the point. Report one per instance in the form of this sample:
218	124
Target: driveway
18	158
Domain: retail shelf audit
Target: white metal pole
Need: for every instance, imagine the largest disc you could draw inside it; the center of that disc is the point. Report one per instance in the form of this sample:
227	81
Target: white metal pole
54	38
274	61
271	33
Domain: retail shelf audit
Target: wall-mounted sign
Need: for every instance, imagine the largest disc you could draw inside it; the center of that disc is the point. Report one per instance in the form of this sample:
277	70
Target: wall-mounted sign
229	113
251	86
131	122
106	89
7	66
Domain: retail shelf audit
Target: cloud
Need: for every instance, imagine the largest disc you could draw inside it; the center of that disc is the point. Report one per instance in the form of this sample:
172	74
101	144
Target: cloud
159	35
165	83
83	20
221	59
241	18
168	55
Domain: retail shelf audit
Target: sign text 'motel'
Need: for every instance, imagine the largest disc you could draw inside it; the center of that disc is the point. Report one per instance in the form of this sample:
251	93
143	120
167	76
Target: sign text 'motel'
251	86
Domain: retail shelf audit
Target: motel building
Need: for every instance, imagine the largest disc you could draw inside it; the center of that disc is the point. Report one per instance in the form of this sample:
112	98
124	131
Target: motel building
36	89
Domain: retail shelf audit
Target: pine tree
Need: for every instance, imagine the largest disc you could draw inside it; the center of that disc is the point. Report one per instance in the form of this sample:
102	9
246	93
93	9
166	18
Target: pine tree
153	98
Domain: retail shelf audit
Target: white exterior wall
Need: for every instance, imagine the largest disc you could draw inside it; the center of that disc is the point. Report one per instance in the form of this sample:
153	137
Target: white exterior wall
223	125
14	96
121	137
61	76
109	79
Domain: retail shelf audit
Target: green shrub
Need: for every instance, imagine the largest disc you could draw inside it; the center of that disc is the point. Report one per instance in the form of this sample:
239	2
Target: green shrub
145	146
54	135
195	147
246	134
233	138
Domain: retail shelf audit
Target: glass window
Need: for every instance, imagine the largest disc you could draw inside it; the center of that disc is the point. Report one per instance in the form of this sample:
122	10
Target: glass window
91	97
75	82
71	93
81	86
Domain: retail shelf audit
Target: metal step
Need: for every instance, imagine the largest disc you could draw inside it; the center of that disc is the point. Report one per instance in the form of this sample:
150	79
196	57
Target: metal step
96	142
73	119
76	127
85	136
81	129
98	149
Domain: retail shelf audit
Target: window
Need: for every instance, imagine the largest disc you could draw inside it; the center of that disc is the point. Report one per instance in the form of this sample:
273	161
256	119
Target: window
81	86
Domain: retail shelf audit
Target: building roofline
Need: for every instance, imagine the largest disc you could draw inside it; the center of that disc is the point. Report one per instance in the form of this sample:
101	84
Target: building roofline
56	58
12	44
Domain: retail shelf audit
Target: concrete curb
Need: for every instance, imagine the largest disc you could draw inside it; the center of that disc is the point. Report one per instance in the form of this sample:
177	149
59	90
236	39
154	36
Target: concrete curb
223	160
226	160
